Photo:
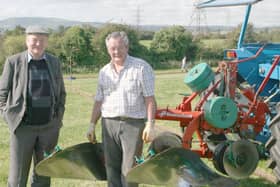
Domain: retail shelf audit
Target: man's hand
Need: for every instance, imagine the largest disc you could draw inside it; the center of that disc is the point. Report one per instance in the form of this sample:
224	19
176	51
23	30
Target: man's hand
149	132
91	133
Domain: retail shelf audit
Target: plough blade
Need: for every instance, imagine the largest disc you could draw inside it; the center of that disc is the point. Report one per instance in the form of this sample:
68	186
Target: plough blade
81	161
177	167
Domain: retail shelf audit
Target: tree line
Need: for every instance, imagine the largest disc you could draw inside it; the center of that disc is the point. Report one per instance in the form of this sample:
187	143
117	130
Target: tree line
82	48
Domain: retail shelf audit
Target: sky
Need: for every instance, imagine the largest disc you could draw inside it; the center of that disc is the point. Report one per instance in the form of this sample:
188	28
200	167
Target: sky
142	12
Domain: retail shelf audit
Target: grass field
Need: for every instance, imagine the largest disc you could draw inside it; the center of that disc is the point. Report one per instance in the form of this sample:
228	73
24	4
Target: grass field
169	86
146	43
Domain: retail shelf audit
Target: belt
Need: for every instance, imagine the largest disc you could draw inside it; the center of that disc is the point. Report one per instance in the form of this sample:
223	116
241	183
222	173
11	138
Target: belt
123	118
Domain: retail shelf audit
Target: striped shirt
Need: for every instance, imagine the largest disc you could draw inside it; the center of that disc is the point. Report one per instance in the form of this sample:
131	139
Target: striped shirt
123	94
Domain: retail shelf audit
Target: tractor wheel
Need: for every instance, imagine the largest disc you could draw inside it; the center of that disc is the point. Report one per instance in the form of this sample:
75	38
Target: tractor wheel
164	141
273	146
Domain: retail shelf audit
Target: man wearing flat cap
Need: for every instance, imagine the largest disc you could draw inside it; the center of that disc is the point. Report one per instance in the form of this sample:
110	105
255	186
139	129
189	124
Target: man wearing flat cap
32	99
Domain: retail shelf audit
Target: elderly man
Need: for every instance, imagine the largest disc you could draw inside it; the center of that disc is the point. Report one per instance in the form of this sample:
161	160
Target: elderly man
32	99
125	100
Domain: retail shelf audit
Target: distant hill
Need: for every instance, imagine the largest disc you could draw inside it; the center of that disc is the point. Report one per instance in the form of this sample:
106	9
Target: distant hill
52	23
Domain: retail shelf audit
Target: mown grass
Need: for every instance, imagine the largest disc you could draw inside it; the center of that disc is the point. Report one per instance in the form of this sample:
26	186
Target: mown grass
80	92
211	43
146	43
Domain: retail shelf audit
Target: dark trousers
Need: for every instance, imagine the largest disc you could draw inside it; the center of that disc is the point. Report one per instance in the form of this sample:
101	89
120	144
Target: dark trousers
122	141
27	142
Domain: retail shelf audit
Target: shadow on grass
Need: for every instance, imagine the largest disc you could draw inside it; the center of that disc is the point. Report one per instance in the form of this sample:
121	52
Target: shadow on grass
256	182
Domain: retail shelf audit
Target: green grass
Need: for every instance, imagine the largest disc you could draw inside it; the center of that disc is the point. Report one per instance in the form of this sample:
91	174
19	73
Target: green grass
80	92
146	43
211	43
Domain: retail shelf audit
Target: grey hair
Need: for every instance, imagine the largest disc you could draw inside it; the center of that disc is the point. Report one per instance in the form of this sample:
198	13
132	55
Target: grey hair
118	34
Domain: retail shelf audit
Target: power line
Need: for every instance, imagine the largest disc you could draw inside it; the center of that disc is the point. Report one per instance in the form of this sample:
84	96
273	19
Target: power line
198	20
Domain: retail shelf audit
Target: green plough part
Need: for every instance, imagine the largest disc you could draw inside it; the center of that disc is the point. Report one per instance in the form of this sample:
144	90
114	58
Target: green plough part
81	161
177	167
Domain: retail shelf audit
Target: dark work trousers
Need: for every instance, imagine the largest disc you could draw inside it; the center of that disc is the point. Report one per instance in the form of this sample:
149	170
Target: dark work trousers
28	141
122	141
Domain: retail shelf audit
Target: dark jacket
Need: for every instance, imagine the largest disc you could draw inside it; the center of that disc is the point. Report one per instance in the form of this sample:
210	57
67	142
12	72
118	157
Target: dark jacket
13	88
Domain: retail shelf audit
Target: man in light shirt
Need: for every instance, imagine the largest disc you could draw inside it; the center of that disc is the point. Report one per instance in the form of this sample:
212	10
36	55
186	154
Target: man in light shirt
126	104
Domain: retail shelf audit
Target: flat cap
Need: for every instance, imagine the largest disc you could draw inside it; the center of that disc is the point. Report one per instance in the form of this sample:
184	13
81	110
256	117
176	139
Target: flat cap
36	29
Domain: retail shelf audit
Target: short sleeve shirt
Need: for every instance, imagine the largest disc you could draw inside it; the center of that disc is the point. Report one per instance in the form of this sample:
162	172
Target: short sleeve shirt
123	93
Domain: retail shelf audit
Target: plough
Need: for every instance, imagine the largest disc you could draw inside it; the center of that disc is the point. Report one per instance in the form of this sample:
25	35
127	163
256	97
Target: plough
232	113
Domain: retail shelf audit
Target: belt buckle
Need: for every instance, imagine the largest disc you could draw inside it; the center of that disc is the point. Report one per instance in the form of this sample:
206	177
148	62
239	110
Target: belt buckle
123	118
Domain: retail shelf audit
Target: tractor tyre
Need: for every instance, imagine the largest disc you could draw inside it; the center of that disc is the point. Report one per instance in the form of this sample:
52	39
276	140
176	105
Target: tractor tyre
273	146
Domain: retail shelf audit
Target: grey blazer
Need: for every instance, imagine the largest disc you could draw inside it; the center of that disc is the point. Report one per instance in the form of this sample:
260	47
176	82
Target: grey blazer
13	88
